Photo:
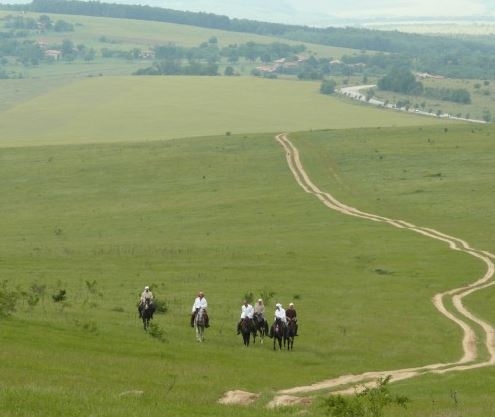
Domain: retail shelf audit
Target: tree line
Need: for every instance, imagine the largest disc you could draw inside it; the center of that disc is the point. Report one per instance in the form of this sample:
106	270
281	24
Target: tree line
405	82
469	57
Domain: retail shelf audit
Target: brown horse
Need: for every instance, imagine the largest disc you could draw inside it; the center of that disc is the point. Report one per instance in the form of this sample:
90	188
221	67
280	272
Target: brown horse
247	328
289	333
146	311
278	333
260	326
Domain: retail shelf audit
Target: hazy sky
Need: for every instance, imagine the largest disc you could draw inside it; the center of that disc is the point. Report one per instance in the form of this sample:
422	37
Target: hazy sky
312	11
319	12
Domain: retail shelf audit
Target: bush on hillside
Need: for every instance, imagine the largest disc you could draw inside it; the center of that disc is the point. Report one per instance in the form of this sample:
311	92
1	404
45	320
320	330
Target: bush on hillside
368	402
8	300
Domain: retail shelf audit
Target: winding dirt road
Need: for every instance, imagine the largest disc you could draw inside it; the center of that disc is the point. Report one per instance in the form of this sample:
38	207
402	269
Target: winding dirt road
461	316
470	358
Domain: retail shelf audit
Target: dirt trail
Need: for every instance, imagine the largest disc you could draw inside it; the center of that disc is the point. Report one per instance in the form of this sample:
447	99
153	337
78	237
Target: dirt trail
461	316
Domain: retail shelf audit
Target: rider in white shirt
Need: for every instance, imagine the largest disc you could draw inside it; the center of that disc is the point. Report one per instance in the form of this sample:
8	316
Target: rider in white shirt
279	314
247	312
200	302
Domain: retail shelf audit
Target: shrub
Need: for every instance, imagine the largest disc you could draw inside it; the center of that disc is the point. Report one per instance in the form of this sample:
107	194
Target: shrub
8	300
60	296
156	332
328	87
368	402
160	306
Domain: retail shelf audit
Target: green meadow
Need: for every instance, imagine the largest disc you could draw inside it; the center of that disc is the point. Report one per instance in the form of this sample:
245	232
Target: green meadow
224	214
110	183
123	109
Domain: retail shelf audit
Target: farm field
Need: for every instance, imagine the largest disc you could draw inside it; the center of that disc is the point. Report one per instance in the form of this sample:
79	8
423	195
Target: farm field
223	214
117	109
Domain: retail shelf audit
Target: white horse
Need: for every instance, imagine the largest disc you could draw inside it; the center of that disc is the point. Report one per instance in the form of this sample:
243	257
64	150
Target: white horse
199	325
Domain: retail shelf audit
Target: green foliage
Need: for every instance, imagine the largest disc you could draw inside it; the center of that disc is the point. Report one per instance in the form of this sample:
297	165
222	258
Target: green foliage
156	332
267	295
328	86
366	402
457	95
8	299
401	80
59	296
487	115
249	297
160	306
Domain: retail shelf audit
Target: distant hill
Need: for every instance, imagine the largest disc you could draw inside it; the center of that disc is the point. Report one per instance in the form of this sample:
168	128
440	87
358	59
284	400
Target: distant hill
320	13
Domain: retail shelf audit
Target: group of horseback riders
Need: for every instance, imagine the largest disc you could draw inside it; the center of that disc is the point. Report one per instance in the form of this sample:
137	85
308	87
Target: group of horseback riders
248	312
257	314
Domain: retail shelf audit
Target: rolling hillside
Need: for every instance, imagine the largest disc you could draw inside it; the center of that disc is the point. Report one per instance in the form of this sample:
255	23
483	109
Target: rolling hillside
111	182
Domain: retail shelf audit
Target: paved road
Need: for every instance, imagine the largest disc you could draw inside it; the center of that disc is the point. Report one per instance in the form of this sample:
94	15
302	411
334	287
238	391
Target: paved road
358	92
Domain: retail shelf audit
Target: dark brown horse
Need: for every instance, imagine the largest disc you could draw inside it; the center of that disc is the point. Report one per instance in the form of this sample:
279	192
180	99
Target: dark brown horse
247	328
260	326
146	311
290	332
278	333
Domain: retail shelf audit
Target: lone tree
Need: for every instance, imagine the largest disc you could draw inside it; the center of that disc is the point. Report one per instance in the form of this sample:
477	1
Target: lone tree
328	87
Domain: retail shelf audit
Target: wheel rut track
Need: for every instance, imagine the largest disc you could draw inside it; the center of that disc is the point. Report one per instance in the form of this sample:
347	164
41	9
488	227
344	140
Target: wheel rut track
463	317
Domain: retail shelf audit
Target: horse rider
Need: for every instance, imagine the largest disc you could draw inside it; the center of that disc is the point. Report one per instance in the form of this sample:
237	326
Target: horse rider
247	312
291	315
259	311
200	302
279	315
146	296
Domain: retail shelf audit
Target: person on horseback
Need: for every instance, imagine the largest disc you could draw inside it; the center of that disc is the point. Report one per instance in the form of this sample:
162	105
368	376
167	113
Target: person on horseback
291	315
259	309
146	297
200	302
247	312
279	315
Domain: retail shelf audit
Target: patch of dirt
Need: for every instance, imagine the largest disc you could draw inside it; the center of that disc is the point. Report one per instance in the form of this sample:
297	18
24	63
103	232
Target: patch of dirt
238	397
288	400
131	393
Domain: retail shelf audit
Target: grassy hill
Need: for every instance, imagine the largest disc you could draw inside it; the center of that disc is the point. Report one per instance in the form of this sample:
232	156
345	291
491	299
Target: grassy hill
119	109
223	214
110	183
